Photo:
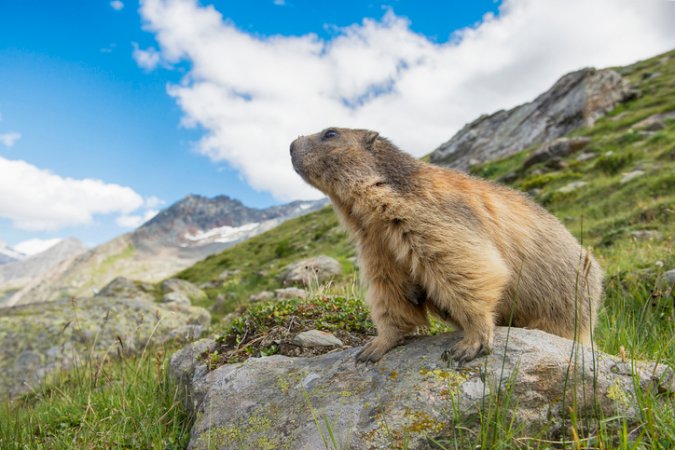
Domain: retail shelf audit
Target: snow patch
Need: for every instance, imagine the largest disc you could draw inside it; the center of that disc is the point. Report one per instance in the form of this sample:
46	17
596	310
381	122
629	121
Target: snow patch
223	234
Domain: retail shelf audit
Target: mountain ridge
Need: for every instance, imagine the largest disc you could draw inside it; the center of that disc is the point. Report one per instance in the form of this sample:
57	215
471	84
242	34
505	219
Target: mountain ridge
177	237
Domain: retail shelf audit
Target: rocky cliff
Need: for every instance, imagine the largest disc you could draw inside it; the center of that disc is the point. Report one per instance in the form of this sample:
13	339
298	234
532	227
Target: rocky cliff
577	99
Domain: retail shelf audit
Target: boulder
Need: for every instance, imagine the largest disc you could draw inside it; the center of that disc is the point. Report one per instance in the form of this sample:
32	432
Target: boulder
576	100
260	296
316	338
573	186
585	156
408	396
122	287
630	176
646	235
654	122
311	270
666	282
39	339
290	292
176	297
553	151
185	289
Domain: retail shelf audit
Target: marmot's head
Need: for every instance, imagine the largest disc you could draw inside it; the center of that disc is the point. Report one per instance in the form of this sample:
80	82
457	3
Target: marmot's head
339	161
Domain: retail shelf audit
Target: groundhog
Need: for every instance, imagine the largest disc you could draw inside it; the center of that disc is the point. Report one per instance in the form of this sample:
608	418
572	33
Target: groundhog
430	239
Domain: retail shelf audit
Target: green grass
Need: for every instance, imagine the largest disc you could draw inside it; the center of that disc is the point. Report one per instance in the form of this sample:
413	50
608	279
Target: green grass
128	403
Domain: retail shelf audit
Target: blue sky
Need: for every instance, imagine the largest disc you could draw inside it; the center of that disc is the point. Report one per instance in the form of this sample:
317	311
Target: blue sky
87	106
70	86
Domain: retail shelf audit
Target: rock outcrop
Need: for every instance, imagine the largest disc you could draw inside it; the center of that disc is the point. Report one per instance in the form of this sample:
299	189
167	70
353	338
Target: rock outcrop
39	339
182	291
122	287
578	99
282	402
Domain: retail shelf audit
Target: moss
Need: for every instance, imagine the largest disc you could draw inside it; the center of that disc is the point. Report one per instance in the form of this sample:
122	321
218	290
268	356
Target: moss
617	393
283	384
422	422
254	432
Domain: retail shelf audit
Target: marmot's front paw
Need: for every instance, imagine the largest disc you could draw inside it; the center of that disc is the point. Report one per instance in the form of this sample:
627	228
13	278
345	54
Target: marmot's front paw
466	349
375	349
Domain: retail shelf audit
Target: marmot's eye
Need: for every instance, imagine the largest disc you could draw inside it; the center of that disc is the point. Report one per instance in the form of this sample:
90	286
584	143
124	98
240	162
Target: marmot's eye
329	134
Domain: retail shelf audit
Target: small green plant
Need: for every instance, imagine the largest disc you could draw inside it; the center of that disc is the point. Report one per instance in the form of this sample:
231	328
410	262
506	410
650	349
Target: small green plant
245	336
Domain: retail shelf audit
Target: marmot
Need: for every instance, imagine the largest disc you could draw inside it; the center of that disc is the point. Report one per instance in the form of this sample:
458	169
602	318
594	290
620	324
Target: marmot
474	253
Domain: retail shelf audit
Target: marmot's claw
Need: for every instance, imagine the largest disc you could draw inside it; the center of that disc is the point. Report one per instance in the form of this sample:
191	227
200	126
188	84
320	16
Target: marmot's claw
372	351
464	351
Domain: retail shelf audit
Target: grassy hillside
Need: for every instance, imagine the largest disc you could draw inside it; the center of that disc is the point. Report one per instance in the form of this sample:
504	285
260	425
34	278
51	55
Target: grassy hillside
230	277
610	216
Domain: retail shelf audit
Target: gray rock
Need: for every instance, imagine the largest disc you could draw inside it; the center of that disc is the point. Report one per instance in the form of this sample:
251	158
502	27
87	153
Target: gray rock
260	296
666	282
646	235
411	388
573	186
630	176
227	274
585	156
316	338
577	99
185	289
122	287
555	150
176	297
311	270
290	292
40	339
655	122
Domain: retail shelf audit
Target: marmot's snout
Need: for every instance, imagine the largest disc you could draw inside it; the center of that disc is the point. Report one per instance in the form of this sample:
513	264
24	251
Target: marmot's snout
297	153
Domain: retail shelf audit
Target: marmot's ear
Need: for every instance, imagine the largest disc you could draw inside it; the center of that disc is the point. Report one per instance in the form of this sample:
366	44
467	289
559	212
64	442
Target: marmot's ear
369	139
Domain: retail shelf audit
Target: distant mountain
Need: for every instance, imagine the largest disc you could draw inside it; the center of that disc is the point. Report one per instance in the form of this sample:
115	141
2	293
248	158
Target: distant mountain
197	221
8	254
180	235
23	273
35	265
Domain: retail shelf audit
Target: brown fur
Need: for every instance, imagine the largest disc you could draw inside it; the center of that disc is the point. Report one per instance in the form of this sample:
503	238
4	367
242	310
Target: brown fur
474	253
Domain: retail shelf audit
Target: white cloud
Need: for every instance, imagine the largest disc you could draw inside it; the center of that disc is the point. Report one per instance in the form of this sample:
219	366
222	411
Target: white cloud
153	202
280	2
147	59
9	139
117	5
134	220
254	95
36	199
35	246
